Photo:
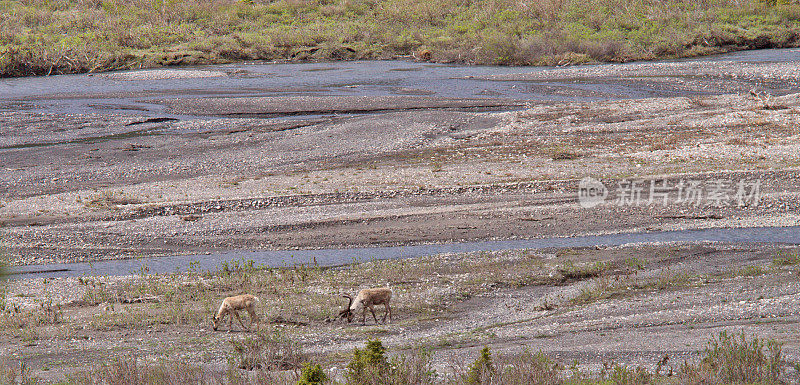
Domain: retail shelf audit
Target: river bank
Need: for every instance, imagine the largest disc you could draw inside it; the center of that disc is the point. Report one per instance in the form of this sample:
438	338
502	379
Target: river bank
43	38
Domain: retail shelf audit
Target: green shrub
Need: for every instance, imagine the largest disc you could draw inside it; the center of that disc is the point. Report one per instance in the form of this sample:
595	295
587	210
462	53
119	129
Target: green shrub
312	374
738	360
371	367
482	370
584	271
622	375
733	359
786	258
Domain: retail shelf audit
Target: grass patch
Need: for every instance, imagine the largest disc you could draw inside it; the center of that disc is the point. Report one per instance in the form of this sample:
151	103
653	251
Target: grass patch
728	359
267	352
423	288
110	200
578	272
15	373
41	37
563	153
746	271
127	370
26	323
606	287
786	258
735	359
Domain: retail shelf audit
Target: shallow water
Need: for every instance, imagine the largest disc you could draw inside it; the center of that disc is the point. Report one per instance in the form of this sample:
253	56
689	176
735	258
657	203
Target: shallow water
136	92
333	257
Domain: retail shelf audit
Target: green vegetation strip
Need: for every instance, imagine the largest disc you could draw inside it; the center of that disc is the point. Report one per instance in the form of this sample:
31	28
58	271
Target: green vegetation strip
729	359
39	37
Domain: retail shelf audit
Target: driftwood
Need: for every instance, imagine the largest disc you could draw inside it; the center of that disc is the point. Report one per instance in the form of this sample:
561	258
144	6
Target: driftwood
682	216
140	299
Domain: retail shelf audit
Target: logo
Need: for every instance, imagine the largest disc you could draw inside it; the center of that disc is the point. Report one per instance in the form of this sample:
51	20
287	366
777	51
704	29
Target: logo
591	192
699	193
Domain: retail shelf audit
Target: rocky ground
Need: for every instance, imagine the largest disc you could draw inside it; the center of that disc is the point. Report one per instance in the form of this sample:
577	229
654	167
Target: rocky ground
94	187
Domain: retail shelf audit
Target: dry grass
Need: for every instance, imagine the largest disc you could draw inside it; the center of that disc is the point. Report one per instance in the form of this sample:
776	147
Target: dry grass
728	359
69	36
271	352
605	287
423	287
786	258
126	370
110	200
735	359
13	373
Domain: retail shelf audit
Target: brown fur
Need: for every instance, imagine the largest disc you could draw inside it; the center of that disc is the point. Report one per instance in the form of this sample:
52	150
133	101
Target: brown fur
367	299
231	307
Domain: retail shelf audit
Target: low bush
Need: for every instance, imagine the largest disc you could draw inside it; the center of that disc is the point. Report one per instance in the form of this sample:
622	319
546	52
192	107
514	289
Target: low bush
735	359
268	352
370	366
312	374
482	370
